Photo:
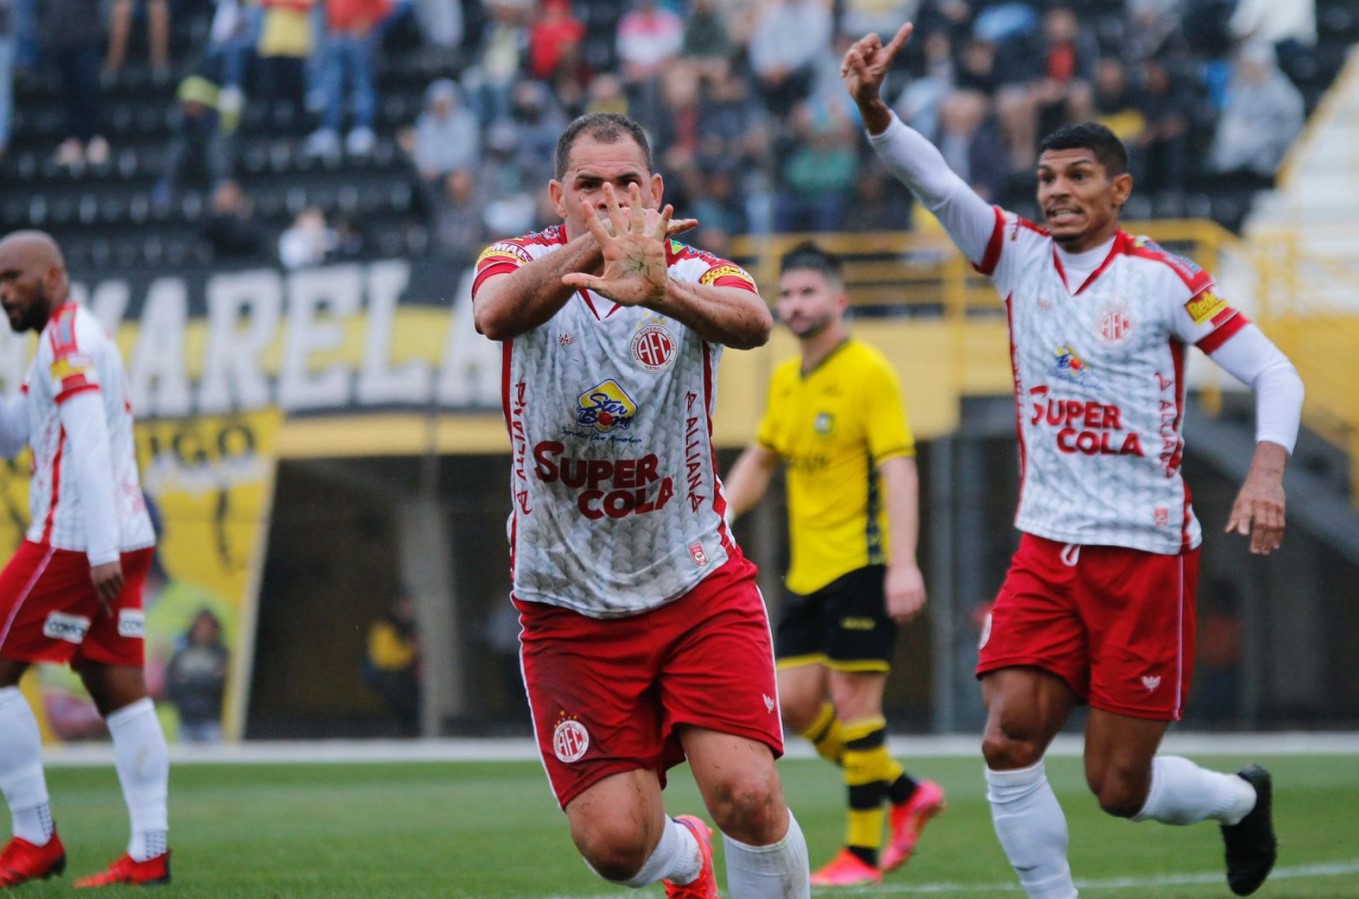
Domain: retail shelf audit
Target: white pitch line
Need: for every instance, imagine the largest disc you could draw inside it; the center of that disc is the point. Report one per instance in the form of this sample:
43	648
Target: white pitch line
1294	872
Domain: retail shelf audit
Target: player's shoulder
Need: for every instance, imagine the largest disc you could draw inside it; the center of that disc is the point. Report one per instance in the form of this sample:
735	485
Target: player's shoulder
691	263
524	248
72	329
1172	267
864	359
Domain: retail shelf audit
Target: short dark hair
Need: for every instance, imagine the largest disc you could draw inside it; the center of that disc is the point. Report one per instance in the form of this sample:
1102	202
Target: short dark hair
807	255
1092	136
605	127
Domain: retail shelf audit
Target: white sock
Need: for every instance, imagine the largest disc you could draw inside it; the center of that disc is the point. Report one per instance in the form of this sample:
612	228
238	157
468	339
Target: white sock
780	871
21	776
1183	793
143	764
1032	830
677	858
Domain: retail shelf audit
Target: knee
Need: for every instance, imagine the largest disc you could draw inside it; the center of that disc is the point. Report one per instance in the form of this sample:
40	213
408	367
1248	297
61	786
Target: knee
1006	749
615	850
1120	793
750	809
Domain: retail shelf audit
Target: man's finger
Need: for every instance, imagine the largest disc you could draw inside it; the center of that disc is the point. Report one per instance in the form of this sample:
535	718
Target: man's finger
899	40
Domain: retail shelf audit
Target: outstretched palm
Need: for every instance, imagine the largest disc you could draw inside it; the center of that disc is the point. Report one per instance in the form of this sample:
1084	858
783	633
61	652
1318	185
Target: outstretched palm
633	244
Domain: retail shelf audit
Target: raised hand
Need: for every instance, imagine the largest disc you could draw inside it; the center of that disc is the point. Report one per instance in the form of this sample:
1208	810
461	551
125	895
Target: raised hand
633	243
866	63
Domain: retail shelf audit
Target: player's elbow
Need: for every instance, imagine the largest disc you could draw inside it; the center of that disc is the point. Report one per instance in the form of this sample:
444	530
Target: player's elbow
754	331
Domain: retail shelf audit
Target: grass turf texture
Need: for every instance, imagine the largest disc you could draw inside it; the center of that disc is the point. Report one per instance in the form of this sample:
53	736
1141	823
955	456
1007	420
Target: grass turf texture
492	831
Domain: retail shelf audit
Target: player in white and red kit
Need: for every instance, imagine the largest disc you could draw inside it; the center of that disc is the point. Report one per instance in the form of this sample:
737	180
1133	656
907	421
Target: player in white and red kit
1098	604
72	592
644	638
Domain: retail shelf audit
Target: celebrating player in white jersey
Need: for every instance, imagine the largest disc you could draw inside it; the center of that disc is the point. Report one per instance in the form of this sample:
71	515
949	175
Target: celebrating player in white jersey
644	638
1098	604
72	592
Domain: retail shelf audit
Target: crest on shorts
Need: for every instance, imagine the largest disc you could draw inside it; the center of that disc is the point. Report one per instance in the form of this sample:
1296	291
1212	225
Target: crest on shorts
570	739
1151	682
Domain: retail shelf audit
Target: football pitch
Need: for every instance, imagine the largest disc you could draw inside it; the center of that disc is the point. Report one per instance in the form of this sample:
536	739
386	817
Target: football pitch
490	830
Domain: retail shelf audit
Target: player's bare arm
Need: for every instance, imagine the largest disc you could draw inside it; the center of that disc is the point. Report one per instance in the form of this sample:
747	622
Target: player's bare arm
636	273
904	584
515	303
864	68
1258	512
749	479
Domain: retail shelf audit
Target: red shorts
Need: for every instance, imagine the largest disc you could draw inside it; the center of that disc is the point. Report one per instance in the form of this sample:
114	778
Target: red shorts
49	611
1116	624
607	696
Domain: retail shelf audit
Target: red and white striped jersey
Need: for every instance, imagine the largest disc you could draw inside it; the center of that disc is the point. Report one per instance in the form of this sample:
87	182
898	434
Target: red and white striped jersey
75	355
1099	385
617	505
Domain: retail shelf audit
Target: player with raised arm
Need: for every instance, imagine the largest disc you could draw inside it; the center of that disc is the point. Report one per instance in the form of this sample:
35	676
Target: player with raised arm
644	639
72	592
1098	604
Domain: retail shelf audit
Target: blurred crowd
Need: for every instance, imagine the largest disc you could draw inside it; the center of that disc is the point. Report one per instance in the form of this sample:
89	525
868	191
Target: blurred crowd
753	129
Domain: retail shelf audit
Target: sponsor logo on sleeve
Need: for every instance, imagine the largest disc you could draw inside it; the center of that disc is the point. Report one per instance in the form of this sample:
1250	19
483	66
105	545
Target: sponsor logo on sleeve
71	365
713	275
1204	306
71	628
503	252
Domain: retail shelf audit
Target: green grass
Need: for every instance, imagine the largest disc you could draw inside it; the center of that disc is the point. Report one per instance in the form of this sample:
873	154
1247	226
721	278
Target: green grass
492	831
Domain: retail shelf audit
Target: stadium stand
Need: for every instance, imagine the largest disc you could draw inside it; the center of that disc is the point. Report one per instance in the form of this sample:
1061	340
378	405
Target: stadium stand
117	213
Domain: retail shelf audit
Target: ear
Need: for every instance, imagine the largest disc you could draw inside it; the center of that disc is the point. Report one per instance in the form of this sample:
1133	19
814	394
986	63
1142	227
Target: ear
557	194
1123	185
657	190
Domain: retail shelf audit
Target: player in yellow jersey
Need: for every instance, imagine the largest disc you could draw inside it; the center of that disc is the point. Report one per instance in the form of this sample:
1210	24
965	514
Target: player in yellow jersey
835	416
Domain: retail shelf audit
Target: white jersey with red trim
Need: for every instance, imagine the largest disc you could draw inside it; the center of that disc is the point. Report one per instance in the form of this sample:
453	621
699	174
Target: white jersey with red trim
76	355
1099	385
617	505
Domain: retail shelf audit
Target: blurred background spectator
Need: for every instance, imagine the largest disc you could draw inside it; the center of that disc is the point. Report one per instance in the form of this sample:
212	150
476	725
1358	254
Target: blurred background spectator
308	241
230	228
122	14
9	48
1263	114
195	680
446	135
347	58
72	33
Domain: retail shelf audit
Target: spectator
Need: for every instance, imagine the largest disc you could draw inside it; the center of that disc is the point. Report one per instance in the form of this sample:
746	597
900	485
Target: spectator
446	135
706	40
1264	112
1115	106
391	666
72	34
230	227
878	202
605	94
787	39
441	23
675	124
9	42
860	17
196	140
970	144
458	225
1163	149
650	38
350	241
284	45
731	125
491	78
554	39
817	176
919	101
537	121
196	680
1289	27
350	45
509	208
231	44
121	15
307	241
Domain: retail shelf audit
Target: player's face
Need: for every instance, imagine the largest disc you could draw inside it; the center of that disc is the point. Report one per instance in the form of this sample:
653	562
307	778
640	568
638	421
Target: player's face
592	164
1080	202
809	302
24	293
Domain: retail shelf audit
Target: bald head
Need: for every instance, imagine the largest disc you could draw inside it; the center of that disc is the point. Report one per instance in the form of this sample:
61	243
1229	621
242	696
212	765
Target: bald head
33	279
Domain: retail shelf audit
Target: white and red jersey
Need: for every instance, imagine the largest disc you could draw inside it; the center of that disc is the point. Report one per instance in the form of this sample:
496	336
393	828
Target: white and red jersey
1100	382
75	357
617	505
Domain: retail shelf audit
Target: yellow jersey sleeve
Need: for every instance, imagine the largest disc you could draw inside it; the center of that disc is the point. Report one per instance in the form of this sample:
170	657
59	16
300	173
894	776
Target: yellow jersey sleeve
889	431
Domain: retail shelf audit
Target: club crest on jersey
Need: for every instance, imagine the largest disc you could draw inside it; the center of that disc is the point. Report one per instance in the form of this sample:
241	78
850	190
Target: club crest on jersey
605	407
653	348
1115	325
823	424
570	740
